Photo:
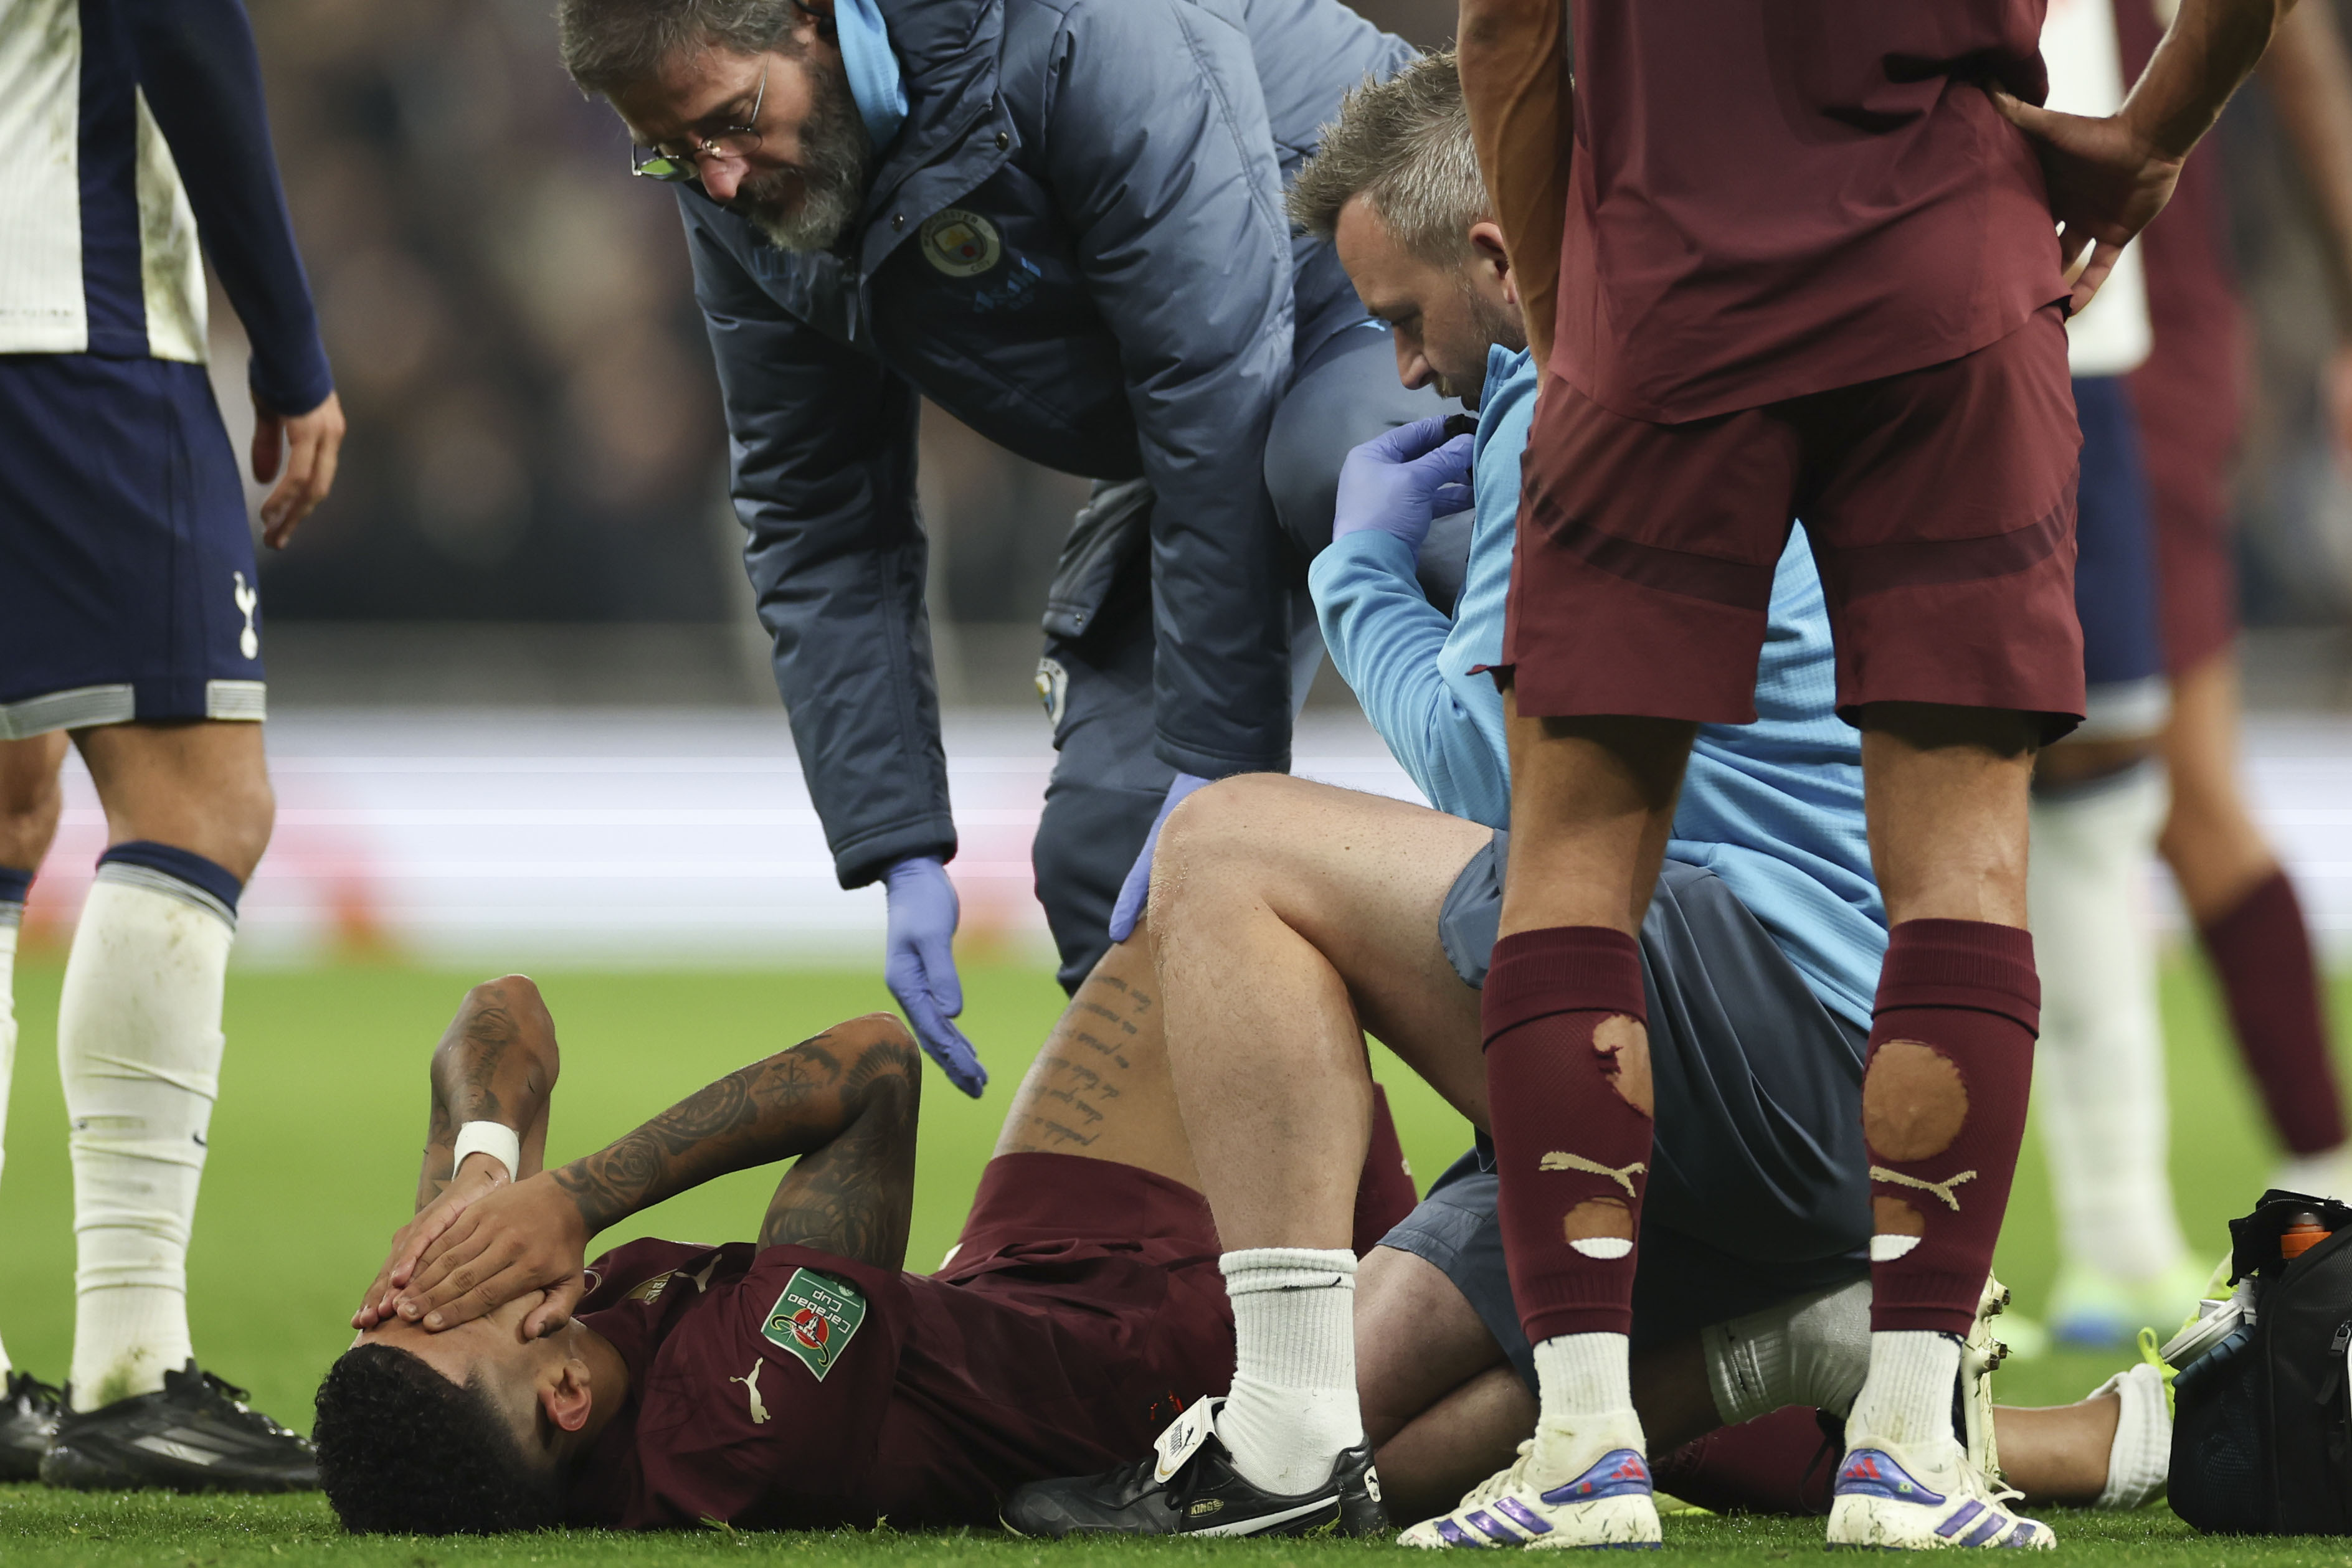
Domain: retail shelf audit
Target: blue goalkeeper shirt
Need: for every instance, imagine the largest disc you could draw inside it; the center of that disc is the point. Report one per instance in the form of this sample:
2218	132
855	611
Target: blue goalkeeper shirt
1774	808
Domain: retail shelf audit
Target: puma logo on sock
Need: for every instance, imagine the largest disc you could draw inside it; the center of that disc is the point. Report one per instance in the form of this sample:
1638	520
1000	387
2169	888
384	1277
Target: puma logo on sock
1942	1189
1622	1174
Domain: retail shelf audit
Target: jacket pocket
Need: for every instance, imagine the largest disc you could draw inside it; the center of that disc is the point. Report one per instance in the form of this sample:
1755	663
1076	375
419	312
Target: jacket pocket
1111	529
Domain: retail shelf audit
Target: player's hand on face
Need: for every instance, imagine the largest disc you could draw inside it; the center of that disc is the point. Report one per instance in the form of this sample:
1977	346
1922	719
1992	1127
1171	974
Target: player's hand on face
299	451
1397	481
524	1237
919	966
2106	181
478	1177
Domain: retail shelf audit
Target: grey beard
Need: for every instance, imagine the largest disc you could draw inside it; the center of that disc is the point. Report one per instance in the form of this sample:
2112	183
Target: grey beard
809	206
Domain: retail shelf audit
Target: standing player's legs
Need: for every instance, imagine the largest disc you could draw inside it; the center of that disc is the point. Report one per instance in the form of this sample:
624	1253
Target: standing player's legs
30	805
2252	926
2098	799
1944	525
1639	591
2248	917
133	622
189	810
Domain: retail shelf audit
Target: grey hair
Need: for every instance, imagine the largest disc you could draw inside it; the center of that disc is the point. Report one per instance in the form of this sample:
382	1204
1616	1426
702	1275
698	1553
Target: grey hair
1405	145
611	44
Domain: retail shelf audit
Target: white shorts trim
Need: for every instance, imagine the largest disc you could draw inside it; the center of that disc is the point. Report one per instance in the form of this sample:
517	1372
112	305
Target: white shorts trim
245	701
84	707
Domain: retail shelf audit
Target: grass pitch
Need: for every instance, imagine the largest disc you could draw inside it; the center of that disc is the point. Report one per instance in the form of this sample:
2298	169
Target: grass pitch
314	1150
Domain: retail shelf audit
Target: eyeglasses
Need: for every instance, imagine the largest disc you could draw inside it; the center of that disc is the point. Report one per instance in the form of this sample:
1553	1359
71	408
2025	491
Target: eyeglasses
729	141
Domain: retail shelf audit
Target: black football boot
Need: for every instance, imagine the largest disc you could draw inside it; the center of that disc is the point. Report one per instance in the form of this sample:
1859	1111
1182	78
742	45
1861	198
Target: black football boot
1189	1487
29	1418
197	1434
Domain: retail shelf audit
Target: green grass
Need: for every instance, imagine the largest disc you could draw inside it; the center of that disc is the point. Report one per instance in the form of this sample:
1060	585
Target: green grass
314	1151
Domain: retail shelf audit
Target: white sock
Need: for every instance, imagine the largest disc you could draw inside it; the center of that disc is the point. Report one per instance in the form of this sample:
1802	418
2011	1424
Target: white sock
2099	1065
2139	1463
1907	1400
12	916
139	1047
1292	1407
1813	1350
1580	1377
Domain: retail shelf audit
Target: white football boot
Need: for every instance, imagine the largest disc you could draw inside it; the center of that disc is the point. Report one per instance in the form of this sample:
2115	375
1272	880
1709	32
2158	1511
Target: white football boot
1569	1489
1947	1493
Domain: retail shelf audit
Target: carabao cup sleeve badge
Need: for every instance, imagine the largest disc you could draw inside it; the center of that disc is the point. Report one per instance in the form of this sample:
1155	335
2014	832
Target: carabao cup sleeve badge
961	243
816	1318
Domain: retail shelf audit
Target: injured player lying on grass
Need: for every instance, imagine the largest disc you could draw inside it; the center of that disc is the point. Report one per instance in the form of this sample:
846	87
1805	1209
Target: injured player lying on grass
804	1381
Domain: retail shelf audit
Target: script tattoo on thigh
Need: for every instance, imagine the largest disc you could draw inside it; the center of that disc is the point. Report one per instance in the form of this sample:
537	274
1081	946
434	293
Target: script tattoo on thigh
1079	1068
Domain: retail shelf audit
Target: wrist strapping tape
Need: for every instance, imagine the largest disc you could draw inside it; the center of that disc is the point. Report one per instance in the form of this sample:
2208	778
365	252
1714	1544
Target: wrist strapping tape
495	1139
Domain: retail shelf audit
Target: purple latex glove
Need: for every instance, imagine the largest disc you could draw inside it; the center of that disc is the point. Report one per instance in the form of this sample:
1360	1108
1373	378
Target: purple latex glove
1137	885
1394	483
919	965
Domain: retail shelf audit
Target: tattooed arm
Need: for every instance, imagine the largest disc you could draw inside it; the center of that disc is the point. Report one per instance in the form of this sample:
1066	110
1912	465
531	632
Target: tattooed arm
845	1101
497	1062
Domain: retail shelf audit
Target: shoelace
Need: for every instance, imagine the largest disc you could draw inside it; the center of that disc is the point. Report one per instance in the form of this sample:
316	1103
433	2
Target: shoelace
1502	1483
229	1393
30	1393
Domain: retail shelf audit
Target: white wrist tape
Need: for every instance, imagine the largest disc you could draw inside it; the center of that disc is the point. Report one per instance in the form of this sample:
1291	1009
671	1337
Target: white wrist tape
495	1139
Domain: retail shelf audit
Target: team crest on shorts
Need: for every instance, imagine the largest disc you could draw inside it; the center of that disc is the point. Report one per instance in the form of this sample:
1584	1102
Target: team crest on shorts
816	1318
961	243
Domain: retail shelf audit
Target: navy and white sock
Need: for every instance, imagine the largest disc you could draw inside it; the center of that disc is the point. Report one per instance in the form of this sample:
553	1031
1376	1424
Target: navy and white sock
139	1047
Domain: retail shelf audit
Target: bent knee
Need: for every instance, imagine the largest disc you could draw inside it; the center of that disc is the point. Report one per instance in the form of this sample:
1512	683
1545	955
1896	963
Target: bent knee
1234	819
886	1033
517	993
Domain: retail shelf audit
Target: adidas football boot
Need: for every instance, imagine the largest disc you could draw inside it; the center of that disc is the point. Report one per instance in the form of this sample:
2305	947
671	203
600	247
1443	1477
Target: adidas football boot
1923	1498
1979	1355
196	1434
1567	1489
1189	1487
29	1418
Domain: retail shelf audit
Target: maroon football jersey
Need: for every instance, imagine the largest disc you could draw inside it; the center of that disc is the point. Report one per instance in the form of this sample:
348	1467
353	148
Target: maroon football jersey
792	1389
1772	200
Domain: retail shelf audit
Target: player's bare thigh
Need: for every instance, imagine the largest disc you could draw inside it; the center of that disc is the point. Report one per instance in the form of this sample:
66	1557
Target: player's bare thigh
201	785
1099	1087
1362	879
30	799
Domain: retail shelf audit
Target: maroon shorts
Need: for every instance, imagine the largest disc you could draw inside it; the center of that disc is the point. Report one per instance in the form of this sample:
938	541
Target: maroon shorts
1939	505
1127	1263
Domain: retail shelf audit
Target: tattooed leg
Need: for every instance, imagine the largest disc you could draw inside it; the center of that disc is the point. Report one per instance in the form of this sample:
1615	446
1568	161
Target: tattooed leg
1100	1087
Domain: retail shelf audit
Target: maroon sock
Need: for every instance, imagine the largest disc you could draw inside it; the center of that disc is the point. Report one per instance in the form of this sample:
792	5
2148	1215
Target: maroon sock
2262	955
1384	1192
1966	990
1566	1024
1781	1463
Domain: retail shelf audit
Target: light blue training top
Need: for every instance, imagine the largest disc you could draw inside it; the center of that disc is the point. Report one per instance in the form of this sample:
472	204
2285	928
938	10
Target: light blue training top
1774	808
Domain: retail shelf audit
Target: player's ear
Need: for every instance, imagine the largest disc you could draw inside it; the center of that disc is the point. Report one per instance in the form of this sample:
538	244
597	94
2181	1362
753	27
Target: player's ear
1488	254
565	1396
